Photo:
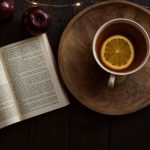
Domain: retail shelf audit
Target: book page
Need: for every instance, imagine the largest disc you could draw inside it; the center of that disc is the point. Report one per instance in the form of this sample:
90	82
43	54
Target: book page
30	66
8	110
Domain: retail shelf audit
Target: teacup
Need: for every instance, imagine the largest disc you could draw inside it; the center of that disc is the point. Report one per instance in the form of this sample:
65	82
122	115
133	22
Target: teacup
135	33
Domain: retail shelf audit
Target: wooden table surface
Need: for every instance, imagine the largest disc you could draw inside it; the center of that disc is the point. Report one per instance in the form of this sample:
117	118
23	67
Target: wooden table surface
74	127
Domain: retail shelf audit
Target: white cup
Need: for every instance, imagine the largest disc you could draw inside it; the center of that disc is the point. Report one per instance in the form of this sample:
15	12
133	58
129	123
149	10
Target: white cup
133	31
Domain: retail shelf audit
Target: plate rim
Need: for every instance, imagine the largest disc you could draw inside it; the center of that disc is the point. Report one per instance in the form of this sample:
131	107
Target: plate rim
68	27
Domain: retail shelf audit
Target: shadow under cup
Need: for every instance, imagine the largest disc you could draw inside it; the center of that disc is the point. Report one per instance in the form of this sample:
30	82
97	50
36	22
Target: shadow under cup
134	34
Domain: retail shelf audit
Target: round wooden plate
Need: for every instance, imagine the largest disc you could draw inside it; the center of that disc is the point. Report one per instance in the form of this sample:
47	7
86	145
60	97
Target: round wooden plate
80	72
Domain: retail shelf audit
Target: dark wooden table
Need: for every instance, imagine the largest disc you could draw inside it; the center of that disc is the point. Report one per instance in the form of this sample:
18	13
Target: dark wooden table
74	127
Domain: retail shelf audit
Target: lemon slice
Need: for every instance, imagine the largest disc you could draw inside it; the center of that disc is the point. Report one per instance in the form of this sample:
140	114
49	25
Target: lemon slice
117	52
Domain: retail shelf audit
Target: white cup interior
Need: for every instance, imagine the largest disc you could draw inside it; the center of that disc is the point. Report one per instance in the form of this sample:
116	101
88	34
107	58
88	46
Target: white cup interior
132	30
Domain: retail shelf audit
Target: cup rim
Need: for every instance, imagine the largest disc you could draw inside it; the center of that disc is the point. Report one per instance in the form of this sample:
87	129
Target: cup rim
121	20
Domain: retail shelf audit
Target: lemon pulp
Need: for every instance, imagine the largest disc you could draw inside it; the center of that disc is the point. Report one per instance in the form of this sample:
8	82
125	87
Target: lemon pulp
117	52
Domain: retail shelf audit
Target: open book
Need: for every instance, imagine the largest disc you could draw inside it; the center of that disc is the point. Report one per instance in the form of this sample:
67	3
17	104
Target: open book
29	85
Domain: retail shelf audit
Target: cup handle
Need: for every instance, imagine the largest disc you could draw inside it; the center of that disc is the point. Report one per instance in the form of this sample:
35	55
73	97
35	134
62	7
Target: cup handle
111	82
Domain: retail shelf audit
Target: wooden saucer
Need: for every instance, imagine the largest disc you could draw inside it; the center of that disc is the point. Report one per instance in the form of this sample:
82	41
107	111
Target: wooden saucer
80	72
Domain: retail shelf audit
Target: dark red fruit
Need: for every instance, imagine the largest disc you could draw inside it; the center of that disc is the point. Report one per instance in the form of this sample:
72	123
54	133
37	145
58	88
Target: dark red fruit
6	9
36	20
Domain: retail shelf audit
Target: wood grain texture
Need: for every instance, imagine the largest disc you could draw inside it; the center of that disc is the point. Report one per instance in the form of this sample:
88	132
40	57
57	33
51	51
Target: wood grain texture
50	131
87	129
16	136
82	75
130	131
74	127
